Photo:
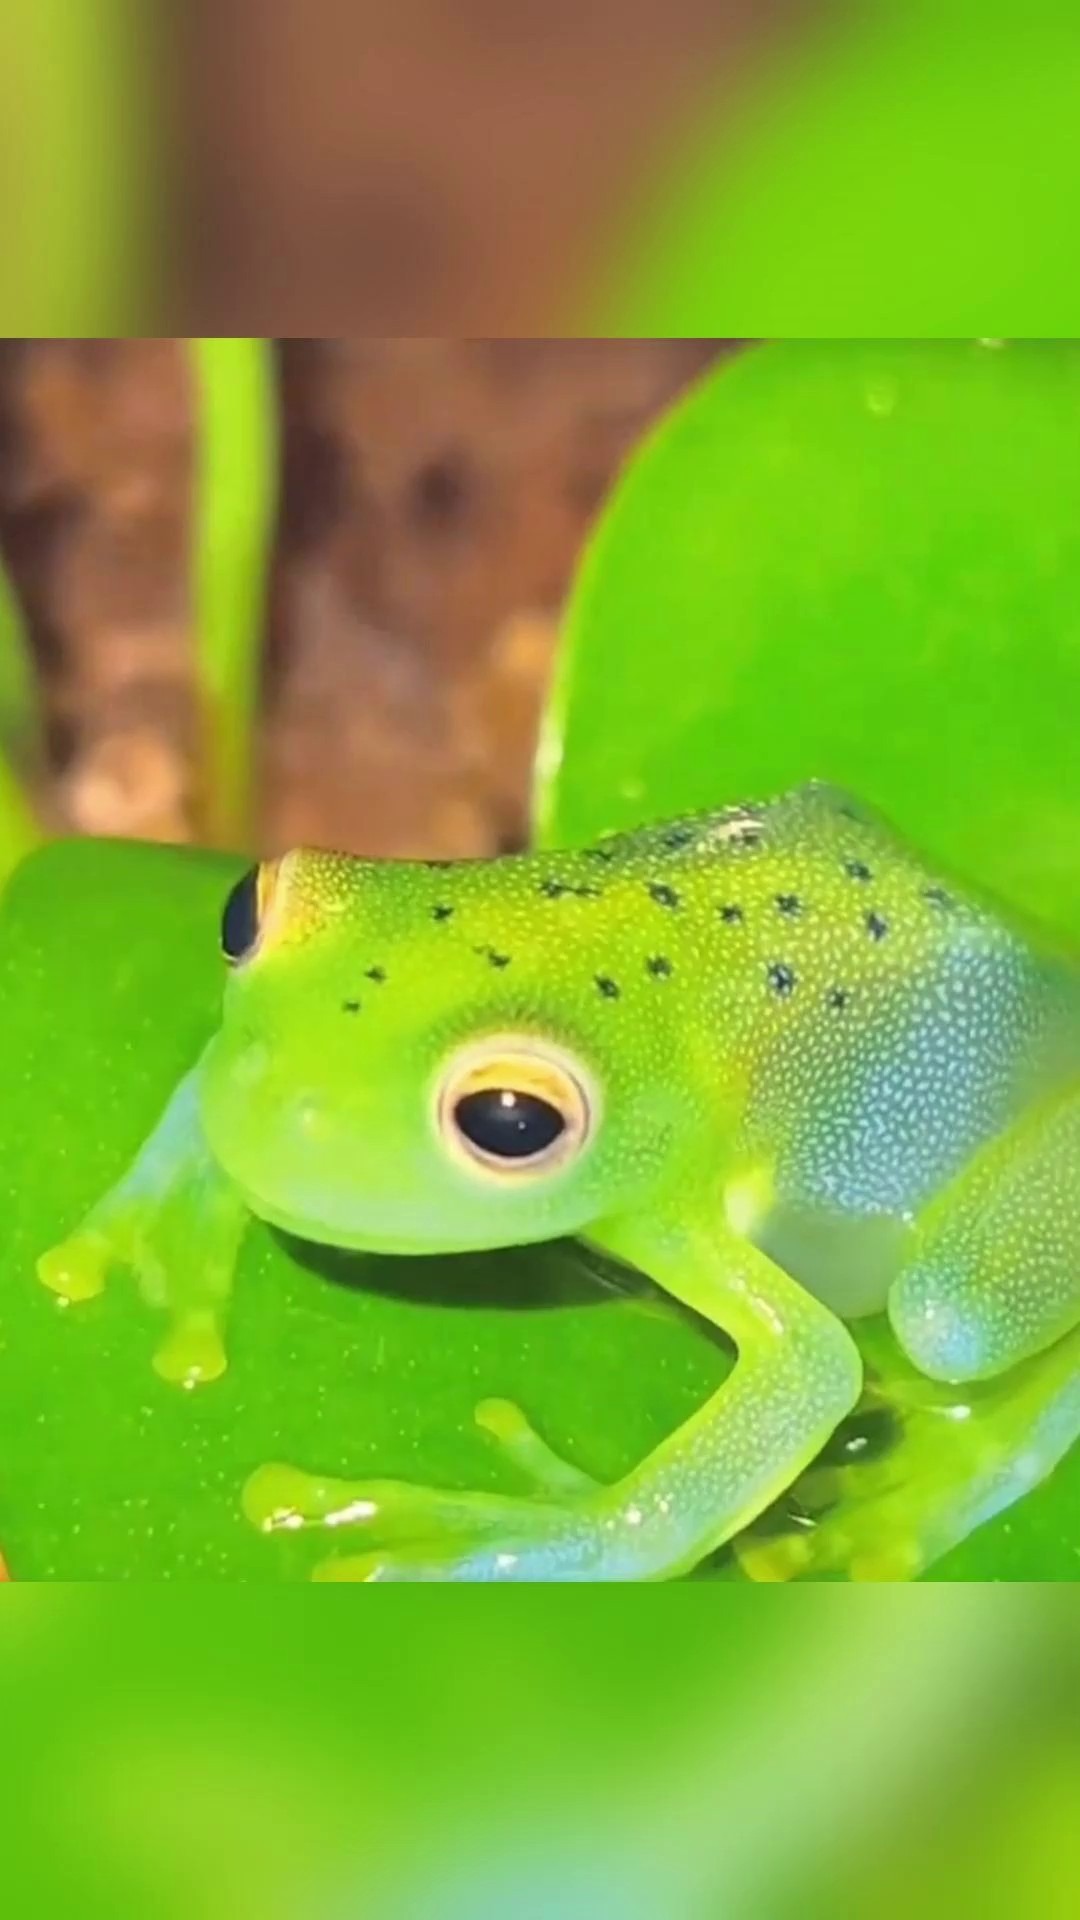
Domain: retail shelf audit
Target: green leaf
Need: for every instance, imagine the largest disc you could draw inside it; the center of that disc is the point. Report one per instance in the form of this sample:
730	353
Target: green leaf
234	518
858	562
20	721
85	95
20	731
110	981
908	171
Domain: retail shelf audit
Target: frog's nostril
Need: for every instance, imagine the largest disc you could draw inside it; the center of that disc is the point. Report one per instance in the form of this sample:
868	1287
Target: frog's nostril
311	1120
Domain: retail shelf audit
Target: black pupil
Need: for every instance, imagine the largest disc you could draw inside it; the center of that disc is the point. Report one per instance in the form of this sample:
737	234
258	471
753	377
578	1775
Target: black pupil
508	1125
240	920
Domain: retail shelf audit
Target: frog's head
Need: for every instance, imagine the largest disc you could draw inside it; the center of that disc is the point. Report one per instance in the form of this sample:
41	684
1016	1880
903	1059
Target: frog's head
419	1056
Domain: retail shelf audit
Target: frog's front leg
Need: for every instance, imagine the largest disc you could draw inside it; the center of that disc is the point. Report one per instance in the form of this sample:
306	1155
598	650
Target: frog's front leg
175	1221
985	1386
797	1374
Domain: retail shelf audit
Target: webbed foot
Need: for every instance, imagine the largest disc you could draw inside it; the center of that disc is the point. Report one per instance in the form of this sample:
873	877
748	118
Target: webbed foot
434	1533
175	1222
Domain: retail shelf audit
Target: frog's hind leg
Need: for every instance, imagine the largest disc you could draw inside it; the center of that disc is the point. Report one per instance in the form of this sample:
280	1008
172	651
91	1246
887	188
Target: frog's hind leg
940	1462
984	1386
175	1221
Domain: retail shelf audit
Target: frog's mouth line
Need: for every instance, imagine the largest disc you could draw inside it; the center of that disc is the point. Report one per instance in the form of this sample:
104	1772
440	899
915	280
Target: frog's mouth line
316	1224
315	1227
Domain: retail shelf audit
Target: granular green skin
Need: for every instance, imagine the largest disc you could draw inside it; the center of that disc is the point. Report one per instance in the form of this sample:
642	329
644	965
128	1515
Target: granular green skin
769	1057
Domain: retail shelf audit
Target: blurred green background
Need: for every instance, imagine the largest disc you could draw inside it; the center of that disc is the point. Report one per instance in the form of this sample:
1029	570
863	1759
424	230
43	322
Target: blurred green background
748	167
665	1755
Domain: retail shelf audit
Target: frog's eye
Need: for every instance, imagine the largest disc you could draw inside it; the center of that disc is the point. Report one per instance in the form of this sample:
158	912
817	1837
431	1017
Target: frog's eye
516	1107
245	912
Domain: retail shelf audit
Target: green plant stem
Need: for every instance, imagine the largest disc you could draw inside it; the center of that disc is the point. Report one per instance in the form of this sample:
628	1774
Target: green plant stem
84	176
232	538
20	722
20	732
18	828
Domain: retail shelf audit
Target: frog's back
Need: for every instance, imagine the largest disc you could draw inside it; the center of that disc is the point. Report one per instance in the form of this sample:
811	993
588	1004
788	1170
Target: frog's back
880	1020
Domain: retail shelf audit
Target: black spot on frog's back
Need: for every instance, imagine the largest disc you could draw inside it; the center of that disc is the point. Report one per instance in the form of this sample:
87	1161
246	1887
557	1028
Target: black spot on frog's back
553	888
663	895
781	978
939	898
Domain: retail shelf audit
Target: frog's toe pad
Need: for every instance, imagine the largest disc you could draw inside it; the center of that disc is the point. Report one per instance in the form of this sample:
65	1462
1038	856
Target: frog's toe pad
193	1351
872	1522
76	1270
861	1547
124	1241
